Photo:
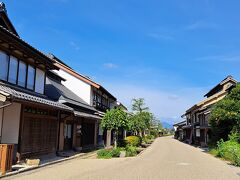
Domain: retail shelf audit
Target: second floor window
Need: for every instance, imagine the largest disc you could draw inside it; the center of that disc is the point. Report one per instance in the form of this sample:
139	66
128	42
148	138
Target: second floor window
13	66
22	74
31	77
101	100
19	73
4	65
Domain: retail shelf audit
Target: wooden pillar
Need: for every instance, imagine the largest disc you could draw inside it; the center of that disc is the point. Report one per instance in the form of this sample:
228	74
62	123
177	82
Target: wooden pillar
95	133
205	135
61	137
74	144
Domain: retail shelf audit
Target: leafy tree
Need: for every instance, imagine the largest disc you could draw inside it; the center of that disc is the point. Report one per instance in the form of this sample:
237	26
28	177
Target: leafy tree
115	119
225	115
160	126
138	105
136	123
140	121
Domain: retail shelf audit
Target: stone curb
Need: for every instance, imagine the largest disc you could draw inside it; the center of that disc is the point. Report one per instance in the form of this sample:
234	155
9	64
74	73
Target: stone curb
82	156
146	148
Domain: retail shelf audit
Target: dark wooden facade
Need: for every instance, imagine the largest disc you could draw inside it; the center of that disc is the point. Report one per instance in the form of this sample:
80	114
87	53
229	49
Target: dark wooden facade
38	131
198	130
39	122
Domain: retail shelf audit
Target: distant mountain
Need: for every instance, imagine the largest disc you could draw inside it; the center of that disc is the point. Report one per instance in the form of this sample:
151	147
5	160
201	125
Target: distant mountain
167	125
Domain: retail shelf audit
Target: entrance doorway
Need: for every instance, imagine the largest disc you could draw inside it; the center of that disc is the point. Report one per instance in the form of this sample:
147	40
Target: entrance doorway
88	131
68	136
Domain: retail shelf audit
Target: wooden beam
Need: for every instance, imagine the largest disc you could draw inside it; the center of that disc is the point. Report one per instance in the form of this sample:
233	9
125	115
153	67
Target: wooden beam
2	98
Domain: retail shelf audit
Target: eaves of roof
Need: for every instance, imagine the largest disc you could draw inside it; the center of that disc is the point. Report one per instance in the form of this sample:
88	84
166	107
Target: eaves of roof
18	95
31	48
87	115
77	75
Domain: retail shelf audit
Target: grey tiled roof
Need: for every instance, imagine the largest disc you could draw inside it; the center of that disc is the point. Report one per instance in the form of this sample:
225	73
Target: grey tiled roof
60	93
87	115
19	95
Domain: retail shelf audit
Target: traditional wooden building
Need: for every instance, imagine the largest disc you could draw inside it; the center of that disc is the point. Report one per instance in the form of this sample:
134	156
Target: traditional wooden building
79	130
92	93
179	132
197	130
46	106
28	118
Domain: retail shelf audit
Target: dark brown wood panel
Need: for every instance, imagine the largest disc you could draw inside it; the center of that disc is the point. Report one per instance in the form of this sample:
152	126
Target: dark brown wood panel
88	134
39	135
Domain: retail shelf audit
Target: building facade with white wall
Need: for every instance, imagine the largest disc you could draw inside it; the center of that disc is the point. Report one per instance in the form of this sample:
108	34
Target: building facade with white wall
91	92
28	119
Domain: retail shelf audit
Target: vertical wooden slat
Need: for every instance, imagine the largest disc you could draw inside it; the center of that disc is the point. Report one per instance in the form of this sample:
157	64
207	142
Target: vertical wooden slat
6	154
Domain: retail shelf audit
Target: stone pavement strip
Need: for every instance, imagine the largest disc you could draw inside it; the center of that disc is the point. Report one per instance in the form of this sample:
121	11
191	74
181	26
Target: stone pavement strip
166	159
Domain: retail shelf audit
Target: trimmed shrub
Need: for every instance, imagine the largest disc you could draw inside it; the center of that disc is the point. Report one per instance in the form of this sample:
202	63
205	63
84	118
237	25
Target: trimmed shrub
116	152
131	151
133	140
109	153
104	154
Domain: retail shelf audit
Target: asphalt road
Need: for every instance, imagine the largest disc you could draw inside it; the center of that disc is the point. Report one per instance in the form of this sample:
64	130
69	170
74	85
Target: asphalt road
166	159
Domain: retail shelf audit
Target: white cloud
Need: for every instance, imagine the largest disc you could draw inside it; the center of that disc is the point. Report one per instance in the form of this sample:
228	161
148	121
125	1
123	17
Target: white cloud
110	65
223	58
201	25
74	45
165	105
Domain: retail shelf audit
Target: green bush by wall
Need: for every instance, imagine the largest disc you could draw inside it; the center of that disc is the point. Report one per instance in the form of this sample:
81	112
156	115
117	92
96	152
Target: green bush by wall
104	154
229	150
133	140
131	151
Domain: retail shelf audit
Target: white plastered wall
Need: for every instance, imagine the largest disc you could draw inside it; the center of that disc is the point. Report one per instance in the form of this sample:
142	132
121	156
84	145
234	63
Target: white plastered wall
79	87
10	124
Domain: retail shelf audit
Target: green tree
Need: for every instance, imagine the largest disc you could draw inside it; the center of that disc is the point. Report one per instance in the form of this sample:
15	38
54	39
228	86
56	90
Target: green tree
138	105
225	115
160	126
135	123
140	121
115	119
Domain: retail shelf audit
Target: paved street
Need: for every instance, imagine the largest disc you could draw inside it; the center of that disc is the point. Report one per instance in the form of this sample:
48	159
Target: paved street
166	159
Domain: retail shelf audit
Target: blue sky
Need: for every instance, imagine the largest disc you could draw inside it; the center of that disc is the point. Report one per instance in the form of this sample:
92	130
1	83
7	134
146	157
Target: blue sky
169	52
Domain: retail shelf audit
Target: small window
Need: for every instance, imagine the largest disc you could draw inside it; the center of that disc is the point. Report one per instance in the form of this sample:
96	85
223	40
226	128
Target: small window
40	80
22	74
4	66
31	77
197	132
13	68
